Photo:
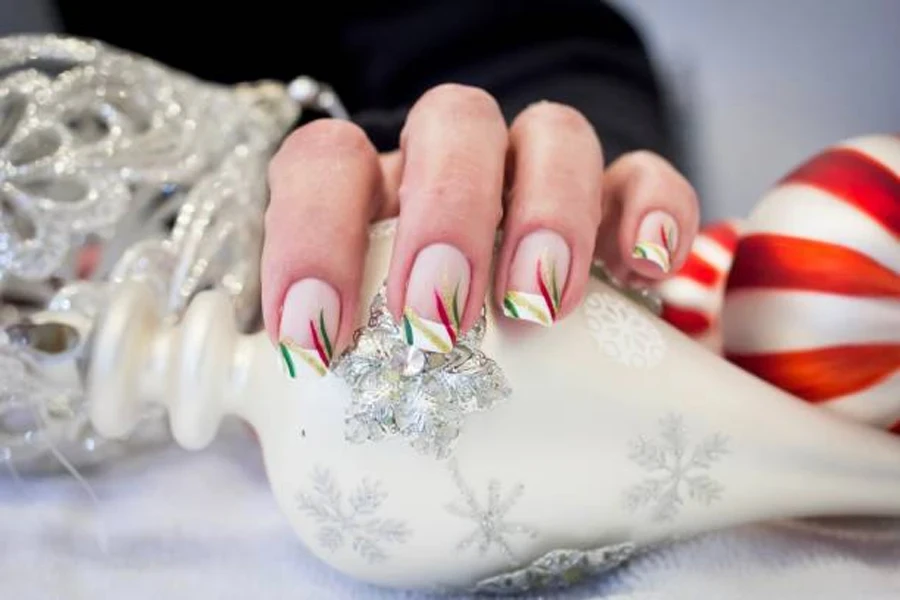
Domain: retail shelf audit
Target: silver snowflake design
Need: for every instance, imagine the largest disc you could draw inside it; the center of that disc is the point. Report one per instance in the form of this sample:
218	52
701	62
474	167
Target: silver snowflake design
355	522
399	390
492	529
623	330
675	468
557	569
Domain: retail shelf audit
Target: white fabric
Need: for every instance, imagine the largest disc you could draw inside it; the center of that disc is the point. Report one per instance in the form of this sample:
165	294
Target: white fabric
176	525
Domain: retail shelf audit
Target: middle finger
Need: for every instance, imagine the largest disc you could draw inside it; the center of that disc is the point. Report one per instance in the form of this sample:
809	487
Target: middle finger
454	150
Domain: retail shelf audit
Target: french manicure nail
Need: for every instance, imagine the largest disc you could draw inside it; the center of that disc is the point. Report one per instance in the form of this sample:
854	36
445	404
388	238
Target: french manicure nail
436	298
657	240
309	324
537	278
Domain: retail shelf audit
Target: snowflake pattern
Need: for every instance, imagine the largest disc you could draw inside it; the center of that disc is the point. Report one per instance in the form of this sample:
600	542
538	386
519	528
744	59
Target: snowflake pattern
357	524
622	331
674	468
491	527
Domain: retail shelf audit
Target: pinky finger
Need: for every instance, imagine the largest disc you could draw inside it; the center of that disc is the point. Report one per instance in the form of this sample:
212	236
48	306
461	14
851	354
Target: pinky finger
654	217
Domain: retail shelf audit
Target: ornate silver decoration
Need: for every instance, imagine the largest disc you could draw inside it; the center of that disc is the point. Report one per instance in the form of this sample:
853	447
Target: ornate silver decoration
399	390
557	569
674	468
115	167
355	523
492	529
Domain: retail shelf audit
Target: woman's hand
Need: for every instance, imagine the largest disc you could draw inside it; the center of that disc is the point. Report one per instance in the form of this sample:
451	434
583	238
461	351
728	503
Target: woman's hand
460	173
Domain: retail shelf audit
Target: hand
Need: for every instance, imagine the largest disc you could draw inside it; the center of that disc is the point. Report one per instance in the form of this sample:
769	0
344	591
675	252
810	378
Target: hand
460	173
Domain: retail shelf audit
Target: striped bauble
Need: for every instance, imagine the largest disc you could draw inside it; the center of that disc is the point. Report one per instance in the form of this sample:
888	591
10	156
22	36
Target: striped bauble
812	302
692	297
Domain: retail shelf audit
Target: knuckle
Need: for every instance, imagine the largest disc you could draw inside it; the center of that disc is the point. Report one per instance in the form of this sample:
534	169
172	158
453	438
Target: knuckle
649	163
323	138
552	115
457	192
650	166
657	166
458	100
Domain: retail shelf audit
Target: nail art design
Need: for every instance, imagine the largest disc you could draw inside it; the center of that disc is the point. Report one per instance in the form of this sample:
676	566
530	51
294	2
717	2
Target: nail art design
318	358
537	277
308	325
657	240
540	308
436	298
435	336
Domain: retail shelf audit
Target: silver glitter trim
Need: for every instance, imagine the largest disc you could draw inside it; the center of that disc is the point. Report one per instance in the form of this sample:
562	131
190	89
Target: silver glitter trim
556	570
424	397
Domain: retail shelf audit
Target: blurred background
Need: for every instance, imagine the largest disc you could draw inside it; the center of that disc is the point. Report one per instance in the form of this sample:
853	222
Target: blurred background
762	85
757	86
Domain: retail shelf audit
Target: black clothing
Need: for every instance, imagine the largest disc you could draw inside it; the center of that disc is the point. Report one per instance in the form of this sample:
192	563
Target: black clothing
380	56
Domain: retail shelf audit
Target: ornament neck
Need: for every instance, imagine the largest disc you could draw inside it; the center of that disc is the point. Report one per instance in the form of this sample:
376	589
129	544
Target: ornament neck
199	370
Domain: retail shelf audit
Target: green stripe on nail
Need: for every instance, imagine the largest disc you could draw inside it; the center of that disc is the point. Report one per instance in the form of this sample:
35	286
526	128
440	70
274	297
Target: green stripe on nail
455	305
510	308
407	330
324	331
288	361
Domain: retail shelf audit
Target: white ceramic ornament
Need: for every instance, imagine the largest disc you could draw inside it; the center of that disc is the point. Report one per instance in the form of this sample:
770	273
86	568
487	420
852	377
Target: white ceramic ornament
812	302
528	458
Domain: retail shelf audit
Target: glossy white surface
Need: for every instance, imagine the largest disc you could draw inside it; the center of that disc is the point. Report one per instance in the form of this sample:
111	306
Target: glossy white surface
584	393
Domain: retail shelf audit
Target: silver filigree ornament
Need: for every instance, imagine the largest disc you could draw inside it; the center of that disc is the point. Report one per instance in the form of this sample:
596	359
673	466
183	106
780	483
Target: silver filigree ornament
424	397
557	569
115	167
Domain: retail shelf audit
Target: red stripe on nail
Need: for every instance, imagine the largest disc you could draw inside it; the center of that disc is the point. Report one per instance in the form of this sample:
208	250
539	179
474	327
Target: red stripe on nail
548	299
318	344
445	318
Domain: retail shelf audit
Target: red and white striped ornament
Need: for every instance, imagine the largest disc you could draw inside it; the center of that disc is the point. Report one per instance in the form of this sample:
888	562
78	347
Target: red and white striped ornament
812	303
692	297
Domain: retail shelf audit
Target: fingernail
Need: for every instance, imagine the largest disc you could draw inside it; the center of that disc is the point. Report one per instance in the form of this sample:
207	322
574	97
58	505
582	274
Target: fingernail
657	240
436	298
309	324
537	278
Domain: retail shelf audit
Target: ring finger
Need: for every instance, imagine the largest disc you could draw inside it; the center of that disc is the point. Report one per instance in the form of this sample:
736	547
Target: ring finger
553	213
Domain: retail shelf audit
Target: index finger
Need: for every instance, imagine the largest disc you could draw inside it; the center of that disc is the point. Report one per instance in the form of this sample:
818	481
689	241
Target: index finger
325	184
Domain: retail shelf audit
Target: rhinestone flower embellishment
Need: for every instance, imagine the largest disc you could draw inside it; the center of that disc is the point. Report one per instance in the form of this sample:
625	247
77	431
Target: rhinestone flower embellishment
399	390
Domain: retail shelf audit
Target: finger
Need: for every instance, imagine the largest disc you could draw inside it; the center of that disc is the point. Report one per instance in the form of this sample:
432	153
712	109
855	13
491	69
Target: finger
324	184
653	217
454	146
554	209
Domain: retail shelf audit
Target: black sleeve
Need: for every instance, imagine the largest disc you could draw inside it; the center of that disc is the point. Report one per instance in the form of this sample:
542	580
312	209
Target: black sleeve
580	53
381	56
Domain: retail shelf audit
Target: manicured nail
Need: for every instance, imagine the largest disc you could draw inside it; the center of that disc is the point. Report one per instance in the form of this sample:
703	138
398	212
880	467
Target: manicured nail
436	298
309	324
657	239
537	278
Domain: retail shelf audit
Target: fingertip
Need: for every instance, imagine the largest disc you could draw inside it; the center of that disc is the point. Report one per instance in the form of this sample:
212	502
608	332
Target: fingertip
659	214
